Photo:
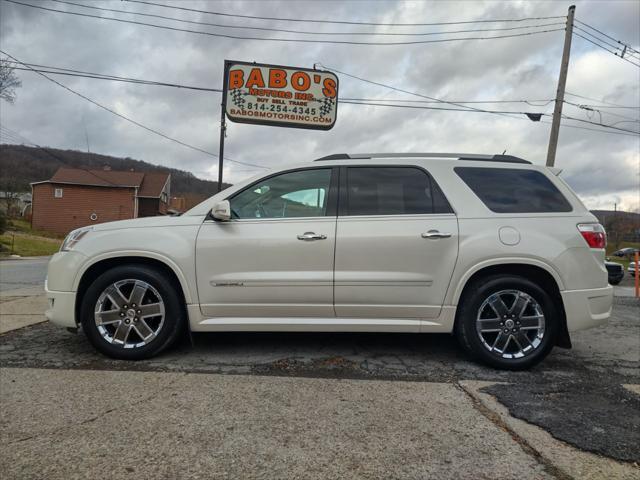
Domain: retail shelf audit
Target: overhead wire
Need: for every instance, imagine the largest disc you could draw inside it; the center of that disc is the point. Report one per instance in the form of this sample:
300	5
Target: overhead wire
91	75
138	124
53	155
391	87
589	108
608	36
614	105
341	22
100	76
605	48
599	124
303	32
283	40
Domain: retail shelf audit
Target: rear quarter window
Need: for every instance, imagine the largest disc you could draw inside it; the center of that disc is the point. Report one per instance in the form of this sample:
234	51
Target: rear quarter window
510	190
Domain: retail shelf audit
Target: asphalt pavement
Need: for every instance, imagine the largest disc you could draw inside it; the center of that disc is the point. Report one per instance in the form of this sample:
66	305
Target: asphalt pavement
25	275
297	405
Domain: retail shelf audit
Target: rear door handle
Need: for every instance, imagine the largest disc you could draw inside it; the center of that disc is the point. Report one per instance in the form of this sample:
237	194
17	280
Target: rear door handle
431	234
311	236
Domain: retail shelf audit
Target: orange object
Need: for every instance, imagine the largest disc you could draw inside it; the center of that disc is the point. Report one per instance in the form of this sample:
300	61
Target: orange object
637	257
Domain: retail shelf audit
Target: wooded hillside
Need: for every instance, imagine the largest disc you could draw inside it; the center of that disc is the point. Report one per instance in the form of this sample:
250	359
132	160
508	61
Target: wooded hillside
21	165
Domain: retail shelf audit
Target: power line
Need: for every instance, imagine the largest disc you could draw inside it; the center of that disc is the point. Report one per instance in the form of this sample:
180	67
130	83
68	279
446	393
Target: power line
304	32
632	134
614	105
608	36
564	125
342	22
600	124
528	102
592	109
129	119
281	40
57	157
99	76
605	48
408	92
31	67
604	41
420	107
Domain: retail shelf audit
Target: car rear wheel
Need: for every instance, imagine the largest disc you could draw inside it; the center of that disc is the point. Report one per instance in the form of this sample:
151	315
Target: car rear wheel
507	322
132	312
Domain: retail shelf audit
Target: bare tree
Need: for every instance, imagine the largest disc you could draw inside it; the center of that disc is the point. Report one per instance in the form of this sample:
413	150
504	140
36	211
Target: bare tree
8	82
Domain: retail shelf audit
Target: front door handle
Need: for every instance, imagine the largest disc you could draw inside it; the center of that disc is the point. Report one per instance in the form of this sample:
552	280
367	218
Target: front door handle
310	236
435	234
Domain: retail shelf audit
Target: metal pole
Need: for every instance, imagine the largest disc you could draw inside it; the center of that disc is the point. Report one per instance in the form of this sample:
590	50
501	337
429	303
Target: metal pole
223	125
562	81
637	274
223	129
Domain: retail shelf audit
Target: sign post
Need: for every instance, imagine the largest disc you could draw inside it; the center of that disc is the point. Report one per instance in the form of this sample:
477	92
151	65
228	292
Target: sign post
278	96
223	127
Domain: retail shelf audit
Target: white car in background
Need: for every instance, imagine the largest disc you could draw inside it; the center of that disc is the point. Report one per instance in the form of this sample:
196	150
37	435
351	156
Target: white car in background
495	250
631	270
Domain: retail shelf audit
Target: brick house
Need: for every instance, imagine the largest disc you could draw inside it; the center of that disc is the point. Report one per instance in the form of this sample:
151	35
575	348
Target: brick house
76	197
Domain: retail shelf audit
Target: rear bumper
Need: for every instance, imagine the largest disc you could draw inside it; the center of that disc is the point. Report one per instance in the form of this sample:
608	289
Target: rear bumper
61	309
587	308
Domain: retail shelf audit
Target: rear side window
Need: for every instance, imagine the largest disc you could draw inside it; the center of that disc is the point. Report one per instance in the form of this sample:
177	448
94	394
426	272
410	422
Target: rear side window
510	190
393	191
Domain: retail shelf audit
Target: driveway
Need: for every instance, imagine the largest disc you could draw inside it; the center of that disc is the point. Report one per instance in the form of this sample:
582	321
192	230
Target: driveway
259	405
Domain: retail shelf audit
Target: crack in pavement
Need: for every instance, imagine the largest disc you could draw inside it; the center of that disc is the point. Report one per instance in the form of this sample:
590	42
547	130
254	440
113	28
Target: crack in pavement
102	414
529	449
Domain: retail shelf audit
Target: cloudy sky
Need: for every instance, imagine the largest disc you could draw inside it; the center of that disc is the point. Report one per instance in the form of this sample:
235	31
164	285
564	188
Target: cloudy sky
603	168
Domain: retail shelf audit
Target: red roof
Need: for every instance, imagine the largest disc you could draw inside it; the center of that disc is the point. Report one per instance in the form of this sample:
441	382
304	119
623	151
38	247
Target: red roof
152	184
148	184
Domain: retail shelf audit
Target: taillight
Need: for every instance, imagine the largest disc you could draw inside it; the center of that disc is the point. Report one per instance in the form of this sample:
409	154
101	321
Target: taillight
594	234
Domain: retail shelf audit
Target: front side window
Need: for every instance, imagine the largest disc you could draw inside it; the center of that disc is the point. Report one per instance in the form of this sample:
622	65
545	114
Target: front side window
393	191
510	190
295	194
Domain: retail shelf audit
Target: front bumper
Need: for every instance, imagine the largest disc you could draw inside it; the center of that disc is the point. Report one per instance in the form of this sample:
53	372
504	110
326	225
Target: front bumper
61	309
587	308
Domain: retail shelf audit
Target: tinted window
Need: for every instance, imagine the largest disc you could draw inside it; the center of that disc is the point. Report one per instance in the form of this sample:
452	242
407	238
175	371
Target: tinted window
294	194
392	191
510	190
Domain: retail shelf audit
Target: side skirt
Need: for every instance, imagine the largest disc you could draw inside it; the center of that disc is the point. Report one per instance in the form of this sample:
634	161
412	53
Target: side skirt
442	324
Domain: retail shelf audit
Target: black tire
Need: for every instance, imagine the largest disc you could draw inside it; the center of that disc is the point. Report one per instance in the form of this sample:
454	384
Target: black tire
615	282
469	308
169	326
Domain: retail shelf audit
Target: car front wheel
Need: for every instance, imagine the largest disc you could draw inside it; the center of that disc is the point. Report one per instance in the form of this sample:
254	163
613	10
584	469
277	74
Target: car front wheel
508	322
132	312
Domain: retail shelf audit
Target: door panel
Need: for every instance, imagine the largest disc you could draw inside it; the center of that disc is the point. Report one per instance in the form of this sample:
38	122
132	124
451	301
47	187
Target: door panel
385	268
260	268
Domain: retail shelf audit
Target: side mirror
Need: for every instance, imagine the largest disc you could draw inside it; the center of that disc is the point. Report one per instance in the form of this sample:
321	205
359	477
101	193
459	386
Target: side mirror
222	211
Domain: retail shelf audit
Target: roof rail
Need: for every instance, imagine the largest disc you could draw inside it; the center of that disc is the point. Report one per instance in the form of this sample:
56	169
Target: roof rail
459	156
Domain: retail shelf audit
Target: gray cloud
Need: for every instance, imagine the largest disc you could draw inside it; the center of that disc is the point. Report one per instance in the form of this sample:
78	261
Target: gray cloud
602	168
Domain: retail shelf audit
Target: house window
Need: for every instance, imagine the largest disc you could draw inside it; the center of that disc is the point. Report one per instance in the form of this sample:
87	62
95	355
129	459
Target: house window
57	193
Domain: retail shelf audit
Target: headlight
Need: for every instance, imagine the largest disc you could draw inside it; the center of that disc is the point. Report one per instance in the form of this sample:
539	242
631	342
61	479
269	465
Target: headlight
73	238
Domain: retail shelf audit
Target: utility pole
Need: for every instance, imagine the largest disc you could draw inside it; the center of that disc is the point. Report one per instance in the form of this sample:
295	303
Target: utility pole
562	81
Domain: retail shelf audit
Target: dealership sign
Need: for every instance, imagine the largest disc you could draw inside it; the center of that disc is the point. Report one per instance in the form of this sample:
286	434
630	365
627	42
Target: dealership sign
280	96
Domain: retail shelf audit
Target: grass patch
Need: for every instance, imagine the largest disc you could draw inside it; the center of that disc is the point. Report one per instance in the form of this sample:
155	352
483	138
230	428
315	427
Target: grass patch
27	245
22	226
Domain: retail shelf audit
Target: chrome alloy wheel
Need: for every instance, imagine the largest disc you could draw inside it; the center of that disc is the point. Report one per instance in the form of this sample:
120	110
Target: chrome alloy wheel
510	324
129	313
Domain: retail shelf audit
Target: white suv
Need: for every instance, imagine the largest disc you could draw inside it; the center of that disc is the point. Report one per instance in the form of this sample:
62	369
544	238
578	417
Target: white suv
493	249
